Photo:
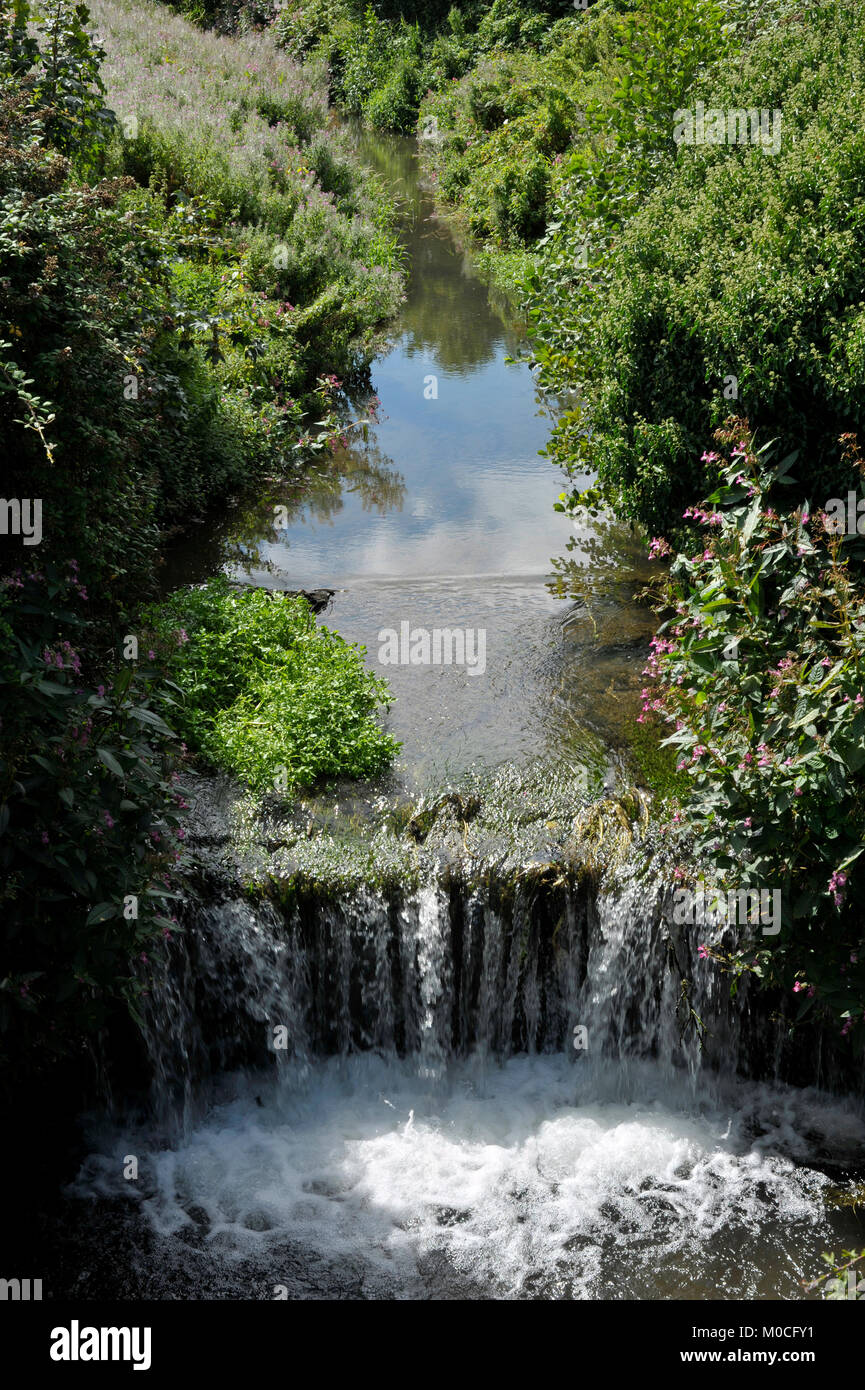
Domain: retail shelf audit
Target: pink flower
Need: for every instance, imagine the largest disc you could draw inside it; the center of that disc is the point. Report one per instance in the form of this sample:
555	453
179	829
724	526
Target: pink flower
659	548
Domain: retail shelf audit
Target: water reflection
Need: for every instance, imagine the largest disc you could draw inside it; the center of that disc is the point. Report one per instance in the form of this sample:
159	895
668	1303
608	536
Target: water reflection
448	314
444	518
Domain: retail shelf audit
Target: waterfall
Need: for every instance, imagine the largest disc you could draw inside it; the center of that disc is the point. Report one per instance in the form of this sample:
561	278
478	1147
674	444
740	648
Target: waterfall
369	1092
447	971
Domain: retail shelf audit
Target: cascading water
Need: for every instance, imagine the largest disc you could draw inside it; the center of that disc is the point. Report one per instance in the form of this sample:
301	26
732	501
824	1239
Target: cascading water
370	1091
428	1127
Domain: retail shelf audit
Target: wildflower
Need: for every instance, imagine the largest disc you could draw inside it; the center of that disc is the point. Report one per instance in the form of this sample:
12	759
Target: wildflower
837	887
658	548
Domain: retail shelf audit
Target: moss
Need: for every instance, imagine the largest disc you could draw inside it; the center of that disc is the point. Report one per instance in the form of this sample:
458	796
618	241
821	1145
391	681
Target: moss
655	765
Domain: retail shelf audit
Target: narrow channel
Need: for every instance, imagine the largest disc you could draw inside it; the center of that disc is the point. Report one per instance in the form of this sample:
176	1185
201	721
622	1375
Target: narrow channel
432	1132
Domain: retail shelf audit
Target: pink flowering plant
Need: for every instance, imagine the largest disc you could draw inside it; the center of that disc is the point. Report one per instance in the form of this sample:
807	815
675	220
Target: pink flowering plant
759	673
91	821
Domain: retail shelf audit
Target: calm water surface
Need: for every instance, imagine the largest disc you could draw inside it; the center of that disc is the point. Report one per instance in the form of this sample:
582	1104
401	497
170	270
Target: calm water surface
444	519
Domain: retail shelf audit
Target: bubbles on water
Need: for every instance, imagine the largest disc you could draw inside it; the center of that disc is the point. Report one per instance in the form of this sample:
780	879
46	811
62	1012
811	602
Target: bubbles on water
501	1183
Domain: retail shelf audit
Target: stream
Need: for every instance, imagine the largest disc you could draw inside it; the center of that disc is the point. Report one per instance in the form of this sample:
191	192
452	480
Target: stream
444	520
431	1129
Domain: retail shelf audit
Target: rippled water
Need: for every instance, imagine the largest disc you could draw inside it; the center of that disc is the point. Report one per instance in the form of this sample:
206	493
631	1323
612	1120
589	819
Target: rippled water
620	1173
445	519
529	1179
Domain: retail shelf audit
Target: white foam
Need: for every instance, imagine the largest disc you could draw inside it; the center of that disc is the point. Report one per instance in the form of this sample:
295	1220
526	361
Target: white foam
501	1180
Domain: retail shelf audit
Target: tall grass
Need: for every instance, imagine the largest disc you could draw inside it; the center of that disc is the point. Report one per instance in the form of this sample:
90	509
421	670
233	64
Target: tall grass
234	121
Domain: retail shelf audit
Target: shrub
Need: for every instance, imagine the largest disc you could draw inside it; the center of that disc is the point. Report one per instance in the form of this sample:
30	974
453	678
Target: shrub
761	673
740	264
91	834
267	693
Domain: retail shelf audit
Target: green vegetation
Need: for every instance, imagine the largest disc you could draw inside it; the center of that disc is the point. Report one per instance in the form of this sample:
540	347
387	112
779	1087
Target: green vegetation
91	837
724	272
188	260
761	672
170	326
267	693
382	58
740	263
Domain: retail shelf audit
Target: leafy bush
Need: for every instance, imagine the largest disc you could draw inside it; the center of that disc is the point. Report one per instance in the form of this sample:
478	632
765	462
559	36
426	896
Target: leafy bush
740	264
762	674
267	693
553	137
91	834
498	134
85	297
150	361
383	57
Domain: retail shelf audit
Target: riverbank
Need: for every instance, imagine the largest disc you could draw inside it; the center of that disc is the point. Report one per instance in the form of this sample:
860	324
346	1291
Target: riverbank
452	1033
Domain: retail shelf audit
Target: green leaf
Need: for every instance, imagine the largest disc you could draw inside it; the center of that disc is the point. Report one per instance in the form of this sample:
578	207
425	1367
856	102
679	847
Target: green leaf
101	913
110	762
